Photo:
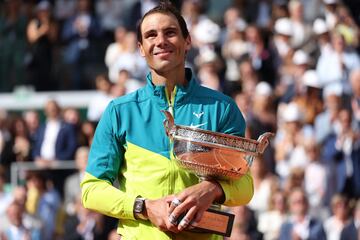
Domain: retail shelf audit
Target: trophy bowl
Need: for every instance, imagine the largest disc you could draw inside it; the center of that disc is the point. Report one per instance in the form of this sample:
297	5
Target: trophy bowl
213	155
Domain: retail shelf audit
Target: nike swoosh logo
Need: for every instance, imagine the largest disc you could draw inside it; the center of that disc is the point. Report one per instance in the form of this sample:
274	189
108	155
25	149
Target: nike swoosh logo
197	126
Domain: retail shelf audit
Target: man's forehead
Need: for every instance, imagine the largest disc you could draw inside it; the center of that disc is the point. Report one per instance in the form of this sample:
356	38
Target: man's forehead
159	21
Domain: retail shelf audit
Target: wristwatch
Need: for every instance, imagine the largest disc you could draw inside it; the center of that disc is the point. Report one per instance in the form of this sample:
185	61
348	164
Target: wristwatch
139	208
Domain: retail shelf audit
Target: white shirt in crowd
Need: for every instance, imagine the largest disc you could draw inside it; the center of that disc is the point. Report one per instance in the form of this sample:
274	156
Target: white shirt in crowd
48	146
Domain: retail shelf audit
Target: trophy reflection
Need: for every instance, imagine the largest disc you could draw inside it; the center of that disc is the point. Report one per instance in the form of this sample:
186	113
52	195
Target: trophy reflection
213	156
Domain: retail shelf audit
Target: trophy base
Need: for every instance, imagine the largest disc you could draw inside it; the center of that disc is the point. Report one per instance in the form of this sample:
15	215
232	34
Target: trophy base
214	221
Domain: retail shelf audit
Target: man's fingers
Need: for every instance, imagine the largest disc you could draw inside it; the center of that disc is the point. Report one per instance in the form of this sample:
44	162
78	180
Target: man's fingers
187	219
173	204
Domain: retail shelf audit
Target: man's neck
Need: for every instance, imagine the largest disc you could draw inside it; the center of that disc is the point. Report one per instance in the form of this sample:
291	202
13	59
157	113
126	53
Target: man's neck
169	79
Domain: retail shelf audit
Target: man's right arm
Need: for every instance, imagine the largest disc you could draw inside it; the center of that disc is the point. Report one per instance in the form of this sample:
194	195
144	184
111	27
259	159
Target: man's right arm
101	196
105	157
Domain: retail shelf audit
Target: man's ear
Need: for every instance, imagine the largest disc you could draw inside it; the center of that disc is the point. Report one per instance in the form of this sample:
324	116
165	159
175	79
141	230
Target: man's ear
141	49
187	43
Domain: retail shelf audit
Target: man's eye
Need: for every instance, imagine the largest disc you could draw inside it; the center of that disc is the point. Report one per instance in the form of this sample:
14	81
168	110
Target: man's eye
150	35
170	33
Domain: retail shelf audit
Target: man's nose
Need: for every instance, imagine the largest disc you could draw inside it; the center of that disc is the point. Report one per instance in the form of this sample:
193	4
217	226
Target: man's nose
161	39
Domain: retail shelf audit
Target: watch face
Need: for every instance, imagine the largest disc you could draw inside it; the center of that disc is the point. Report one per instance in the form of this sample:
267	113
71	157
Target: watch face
139	205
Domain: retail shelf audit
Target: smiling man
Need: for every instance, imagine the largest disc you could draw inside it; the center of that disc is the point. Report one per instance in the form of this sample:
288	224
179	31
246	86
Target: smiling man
130	143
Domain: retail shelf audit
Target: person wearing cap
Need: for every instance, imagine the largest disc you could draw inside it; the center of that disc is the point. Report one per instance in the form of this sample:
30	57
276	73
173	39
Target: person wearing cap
283	35
156	198
309	100
290	84
288	138
322	36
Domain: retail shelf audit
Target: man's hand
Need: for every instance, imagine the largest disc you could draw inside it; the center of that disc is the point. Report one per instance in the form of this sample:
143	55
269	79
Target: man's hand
194	201
157	212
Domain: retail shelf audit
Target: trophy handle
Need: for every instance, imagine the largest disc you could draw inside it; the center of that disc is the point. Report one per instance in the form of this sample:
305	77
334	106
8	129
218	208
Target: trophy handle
264	140
169	124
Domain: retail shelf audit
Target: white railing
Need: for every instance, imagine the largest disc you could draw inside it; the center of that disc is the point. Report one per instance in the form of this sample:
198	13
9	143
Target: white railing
18	169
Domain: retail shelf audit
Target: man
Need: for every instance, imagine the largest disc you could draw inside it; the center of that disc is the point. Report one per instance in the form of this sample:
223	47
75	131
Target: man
352	230
130	142
300	225
55	139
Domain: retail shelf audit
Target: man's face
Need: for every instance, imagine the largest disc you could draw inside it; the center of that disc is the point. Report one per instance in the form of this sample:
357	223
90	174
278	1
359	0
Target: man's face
163	44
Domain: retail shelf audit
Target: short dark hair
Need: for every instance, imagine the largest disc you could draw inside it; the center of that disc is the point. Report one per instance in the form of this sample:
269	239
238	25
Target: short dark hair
164	7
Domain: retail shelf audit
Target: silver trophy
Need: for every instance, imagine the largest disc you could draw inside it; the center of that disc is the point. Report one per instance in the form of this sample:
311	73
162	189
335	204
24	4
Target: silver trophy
212	155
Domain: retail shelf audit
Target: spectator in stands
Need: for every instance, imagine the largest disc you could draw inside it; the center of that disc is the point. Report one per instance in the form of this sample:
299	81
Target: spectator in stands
5	199
335	65
288	138
64	9
341	150
245	224
32	121
115	49
355	96
44	203
248	76
84	224
209	66
299	224
42	32
264	185
322	37
262	118
55	139
21	142
264	58
12	45
309	99
282	39
129	59
233	45
291	83
126	80
352	230
294	180
99	102
326	121
16	230
270	221
330	12
81	51
347	27
72	182
316	188
111	15
301	29
6	153
87	132
340	217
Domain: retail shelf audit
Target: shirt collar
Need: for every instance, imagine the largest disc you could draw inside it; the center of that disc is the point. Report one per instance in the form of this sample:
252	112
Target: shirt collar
182	91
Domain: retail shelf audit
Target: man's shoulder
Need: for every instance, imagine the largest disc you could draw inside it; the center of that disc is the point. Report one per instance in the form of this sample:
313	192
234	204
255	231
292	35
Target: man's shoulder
204	92
136	96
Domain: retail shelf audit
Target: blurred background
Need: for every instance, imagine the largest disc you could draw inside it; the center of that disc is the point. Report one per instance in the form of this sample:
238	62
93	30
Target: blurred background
292	67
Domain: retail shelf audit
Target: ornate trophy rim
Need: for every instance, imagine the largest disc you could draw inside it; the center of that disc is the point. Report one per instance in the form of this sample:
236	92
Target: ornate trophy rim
213	153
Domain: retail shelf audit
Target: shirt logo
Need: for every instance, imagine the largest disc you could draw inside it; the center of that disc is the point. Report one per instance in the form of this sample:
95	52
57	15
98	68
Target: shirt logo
198	115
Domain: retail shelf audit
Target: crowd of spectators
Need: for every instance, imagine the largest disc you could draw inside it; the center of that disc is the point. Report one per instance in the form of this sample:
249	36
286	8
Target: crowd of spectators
293	68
